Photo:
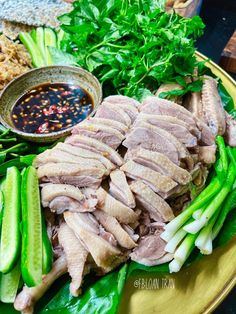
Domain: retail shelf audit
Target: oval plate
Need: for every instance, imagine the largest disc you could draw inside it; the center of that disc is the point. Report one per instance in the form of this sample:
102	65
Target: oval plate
197	289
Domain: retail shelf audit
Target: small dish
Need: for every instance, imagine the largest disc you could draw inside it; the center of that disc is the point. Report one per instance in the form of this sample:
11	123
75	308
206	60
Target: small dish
46	75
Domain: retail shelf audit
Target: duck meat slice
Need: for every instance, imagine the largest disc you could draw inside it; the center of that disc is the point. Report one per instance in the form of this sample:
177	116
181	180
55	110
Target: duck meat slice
86	154
193	103
113	226
171	125
120	99
140	136
120	189
56	155
158	208
76	256
207	154
103	133
156	105
77	175
156	181
151	251
61	197
115	208
230	134
131	110
121	127
95	146
113	112
212	106
207	136
26	299
104	254
160	163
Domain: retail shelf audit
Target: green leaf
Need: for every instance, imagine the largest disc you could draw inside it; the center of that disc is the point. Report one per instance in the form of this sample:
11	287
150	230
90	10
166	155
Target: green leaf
61	57
102	296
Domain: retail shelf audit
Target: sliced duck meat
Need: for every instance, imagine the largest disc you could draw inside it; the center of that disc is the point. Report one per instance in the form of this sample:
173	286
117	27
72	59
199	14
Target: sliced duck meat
113	112
86	153
207	136
156	105
76	256
95	146
26	299
111	123
160	163
212	106
156	181
62	203
61	197
134	236
131	110
103	133
50	191
115	208
144	137
113	226
120	189
77	175
151	251
171	125
158	208
230	134
193	103
120	99
207	154
104	254
56	155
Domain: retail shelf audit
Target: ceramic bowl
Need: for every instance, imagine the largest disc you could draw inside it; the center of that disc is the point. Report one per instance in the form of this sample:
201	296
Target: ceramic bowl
50	74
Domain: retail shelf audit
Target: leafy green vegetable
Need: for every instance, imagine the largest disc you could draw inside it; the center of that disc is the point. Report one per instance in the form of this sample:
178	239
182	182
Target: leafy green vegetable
61	57
131	46
100	297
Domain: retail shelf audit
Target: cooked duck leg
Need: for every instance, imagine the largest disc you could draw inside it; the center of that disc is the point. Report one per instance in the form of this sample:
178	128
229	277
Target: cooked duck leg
212	106
27	298
76	256
115	208
120	189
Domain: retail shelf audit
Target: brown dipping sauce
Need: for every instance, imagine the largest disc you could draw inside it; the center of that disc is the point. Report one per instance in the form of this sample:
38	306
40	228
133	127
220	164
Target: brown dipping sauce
51	107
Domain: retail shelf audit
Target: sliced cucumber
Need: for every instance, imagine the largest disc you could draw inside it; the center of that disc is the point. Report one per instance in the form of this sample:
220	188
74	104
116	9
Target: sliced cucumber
47	250
10	233
60	37
40	42
50	40
1	207
9	284
31	255
33	49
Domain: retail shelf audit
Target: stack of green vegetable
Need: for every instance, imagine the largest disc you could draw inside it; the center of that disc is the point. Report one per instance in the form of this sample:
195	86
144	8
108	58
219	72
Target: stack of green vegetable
43	45
25	249
200	223
131	47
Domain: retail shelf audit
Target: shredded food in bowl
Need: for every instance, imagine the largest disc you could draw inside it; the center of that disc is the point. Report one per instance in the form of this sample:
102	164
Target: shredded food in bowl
14	60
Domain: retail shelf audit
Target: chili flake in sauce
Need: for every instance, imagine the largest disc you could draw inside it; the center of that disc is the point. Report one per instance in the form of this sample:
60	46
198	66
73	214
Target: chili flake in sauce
51	107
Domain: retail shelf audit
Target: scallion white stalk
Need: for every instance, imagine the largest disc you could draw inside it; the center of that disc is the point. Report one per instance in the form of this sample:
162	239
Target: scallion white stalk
185	248
174	242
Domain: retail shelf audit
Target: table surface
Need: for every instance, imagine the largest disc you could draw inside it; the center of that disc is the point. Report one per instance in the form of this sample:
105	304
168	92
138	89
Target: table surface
220	19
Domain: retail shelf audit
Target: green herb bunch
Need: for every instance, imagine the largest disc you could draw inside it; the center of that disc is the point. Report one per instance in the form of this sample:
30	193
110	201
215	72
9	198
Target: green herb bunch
131	46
